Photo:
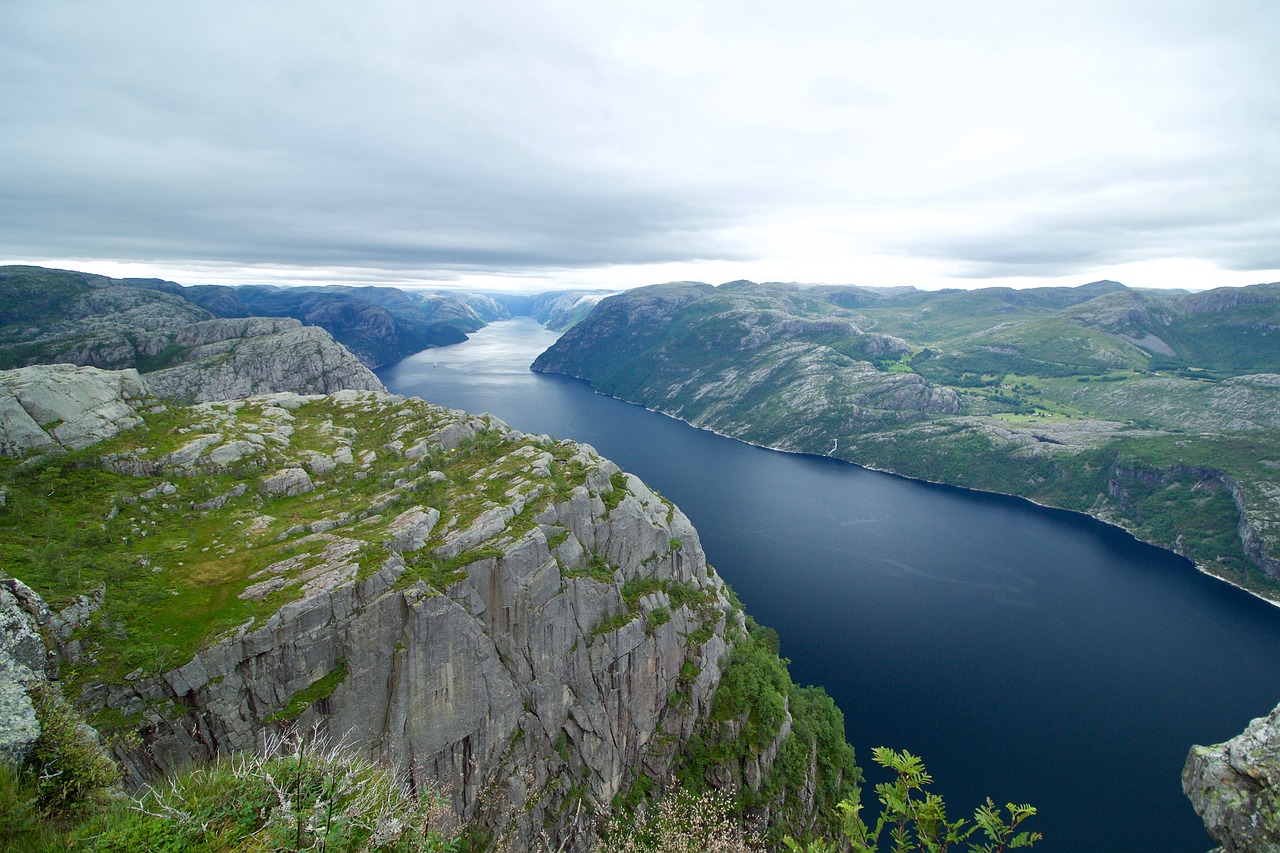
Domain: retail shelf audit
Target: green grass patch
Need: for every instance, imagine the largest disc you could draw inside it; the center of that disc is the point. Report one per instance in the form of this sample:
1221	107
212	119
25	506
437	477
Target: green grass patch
617	491
656	618
308	696
442	572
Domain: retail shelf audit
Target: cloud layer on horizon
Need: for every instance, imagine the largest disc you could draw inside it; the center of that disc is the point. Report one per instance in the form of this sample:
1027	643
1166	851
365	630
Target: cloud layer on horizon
1034	139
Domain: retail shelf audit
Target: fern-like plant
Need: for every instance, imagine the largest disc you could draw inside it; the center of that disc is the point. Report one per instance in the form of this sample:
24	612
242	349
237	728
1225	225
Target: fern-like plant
916	819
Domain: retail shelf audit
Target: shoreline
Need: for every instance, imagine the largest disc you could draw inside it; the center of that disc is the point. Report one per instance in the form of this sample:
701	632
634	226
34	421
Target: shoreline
1198	566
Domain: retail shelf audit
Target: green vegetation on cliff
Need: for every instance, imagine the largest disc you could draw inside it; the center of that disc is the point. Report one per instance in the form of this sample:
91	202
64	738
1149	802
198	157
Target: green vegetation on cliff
177	553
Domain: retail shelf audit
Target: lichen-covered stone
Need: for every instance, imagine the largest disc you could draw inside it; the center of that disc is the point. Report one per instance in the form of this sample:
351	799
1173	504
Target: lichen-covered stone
287	481
478	615
24	659
1235	787
60	406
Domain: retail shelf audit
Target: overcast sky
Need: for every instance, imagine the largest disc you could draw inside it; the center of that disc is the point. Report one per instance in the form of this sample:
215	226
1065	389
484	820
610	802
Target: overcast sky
549	144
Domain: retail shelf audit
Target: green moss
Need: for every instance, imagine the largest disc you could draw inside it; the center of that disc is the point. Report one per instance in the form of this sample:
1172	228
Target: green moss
613	623
755	694
617	491
308	696
597	568
442	572
70	767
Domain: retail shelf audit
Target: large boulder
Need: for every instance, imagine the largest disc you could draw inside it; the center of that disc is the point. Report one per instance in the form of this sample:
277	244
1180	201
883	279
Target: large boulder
1235	787
62	406
24	659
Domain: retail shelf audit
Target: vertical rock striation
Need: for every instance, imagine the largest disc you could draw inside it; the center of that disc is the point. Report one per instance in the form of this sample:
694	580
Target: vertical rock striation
505	616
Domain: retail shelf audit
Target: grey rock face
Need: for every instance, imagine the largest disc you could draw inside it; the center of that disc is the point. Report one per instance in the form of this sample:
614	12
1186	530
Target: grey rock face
60	406
522	684
288	481
74	318
292	357
1235	787
23	660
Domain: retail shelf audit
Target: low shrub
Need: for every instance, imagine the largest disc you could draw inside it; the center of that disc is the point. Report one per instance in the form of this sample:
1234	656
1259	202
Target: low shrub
298	794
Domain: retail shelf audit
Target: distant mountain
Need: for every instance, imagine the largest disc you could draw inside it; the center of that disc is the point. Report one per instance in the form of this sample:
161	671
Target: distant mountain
563	309
379	324
1155	410
59	316
707	353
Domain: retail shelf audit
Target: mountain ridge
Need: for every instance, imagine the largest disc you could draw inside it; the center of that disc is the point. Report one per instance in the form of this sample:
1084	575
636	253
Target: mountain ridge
1049	395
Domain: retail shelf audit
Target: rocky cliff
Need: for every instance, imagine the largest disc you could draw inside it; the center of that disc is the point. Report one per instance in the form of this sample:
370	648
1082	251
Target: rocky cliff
58	316
561	310
24	661
1235	788
507	616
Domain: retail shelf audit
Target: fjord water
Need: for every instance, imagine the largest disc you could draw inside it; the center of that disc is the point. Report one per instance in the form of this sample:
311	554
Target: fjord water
1027	654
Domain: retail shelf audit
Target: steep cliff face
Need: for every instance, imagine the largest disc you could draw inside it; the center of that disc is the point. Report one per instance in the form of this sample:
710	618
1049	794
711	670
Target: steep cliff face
230	359
561	310
1235	787
528	679
506	616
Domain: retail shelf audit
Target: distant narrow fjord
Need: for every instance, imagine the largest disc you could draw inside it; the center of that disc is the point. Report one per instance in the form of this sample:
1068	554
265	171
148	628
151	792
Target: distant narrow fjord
1027	654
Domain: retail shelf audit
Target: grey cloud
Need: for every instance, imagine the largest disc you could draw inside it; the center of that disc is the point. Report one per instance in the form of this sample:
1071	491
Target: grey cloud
522	137
224	145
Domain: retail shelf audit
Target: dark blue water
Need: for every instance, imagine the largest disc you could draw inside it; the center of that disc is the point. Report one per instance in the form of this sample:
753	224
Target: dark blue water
1027	654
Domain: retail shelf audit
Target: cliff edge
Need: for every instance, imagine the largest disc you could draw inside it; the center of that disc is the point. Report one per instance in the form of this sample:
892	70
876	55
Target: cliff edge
505	616
1235	787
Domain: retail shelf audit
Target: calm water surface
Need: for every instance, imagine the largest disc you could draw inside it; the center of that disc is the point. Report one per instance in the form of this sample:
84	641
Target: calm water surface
1027	654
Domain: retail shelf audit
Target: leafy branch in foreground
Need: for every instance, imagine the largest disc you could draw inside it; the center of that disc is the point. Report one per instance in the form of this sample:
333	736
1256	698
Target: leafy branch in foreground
917	819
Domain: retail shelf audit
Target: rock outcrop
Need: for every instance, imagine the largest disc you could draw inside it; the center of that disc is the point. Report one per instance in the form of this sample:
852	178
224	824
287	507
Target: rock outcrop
231	359
24	659
60	406
525	680
378	324
505	616
1235	787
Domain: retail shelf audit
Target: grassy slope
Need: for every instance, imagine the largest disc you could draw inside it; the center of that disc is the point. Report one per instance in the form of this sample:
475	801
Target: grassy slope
173	571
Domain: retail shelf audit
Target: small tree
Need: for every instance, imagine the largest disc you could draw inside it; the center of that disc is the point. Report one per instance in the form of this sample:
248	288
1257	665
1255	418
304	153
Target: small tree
917	819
